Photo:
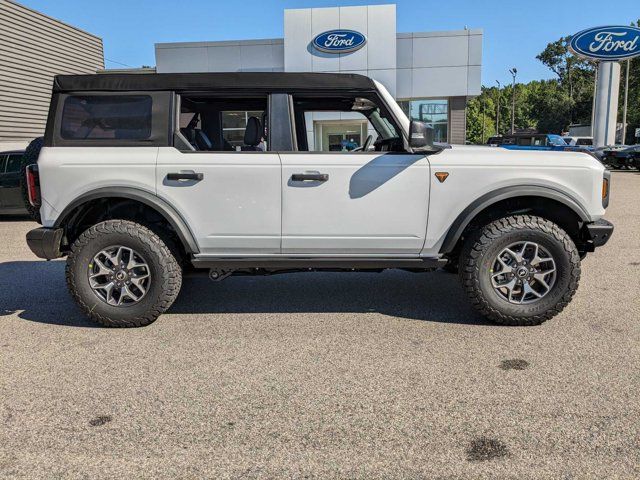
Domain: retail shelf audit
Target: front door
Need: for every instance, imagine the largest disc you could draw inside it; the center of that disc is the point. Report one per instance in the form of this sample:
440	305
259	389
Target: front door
359	203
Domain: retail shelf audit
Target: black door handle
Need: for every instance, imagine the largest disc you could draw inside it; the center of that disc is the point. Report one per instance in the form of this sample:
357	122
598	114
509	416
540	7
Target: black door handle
185	176
309	177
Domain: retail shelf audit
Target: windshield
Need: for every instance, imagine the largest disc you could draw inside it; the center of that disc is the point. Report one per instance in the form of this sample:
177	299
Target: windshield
393	106
556	140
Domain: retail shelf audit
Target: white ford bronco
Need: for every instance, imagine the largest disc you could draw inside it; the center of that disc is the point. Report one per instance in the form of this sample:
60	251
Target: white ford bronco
142	178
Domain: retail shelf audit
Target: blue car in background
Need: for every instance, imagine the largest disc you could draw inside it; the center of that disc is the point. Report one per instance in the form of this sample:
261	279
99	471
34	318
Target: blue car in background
534	141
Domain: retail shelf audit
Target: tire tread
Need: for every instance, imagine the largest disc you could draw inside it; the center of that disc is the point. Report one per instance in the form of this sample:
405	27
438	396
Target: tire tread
477	244
171	271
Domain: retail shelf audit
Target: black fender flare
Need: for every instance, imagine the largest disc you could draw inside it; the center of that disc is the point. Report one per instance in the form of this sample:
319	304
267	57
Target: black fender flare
468	214
147	198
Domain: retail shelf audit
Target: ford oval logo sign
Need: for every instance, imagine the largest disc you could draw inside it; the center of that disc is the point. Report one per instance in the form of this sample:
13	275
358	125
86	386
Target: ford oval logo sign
607	43
339	41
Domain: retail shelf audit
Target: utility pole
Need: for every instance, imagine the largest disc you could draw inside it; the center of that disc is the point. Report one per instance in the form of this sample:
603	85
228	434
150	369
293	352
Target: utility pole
626	95
498	110
513	73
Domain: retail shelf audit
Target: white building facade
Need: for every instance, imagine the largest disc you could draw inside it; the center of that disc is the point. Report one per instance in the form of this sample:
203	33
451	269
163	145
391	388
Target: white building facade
431	74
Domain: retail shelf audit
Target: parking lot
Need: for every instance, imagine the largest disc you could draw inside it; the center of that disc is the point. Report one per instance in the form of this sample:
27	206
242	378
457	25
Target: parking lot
351	375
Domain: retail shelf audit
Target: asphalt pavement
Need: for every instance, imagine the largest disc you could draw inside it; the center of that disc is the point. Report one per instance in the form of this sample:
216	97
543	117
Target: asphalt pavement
331	375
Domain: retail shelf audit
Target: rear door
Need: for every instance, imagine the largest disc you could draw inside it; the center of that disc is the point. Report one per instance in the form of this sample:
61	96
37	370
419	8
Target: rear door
228	191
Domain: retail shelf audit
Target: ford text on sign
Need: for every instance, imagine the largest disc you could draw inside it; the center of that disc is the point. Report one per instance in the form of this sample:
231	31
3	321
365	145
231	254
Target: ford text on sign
607	43
339	41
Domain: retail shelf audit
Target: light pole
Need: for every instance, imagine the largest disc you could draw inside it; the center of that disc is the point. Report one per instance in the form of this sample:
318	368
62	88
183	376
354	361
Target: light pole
483	121
498	111
626	98
513	73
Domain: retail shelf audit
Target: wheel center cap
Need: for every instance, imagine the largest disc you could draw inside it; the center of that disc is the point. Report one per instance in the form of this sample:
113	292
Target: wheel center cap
121	275
522	272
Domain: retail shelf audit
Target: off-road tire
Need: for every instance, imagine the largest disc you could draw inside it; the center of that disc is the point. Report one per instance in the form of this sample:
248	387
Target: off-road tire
481	249
30	156
166	274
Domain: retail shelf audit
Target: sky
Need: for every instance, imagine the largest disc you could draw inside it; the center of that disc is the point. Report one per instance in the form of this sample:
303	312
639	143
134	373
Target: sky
514	31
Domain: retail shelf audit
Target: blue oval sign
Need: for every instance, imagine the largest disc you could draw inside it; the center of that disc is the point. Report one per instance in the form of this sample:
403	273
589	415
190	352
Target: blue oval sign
339	41
607	43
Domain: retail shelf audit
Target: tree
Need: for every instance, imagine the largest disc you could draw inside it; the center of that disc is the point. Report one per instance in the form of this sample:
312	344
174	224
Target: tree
550	106
575	74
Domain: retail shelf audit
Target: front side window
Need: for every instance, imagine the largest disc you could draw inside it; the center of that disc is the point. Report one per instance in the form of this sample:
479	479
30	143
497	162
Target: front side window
344	124
434	112
106	117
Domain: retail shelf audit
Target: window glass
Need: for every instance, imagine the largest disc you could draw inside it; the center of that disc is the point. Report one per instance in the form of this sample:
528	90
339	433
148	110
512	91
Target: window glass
103	117
434	112
214	123
343	124
556	140
584	141
14	163
3	162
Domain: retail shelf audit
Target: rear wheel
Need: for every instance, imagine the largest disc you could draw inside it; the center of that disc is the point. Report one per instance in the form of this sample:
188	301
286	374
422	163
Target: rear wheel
520	270
122	274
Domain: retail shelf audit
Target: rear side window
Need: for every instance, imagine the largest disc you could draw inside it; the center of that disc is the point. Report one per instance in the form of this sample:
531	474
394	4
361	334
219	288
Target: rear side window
14	163
106	117
3	162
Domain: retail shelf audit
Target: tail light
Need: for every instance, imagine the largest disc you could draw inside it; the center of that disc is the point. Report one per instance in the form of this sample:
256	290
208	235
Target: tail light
33	185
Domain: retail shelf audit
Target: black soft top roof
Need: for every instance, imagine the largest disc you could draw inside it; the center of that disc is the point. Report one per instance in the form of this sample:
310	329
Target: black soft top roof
257	81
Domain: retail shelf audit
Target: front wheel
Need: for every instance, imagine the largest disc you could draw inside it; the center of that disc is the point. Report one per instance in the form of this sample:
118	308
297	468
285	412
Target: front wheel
122	274
520	270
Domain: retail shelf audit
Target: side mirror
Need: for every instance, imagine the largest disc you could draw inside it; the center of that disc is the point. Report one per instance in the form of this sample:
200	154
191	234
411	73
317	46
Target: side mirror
421	137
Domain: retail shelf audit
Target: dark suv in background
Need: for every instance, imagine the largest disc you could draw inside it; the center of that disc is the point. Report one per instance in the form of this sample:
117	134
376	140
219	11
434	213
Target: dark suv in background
11	201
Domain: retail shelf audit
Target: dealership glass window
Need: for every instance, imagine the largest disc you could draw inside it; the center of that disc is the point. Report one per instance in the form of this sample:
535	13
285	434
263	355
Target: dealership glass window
434	112
102	117
337	135
234	124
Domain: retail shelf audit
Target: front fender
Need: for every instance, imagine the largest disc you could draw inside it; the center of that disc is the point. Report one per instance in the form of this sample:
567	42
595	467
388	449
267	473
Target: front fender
468	214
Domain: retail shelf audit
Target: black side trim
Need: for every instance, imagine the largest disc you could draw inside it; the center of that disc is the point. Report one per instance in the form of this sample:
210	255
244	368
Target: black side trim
469	213
301	263
280	131
149	199
45	242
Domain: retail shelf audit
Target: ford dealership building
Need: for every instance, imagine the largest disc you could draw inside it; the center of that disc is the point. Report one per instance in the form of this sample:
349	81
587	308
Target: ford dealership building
431	74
